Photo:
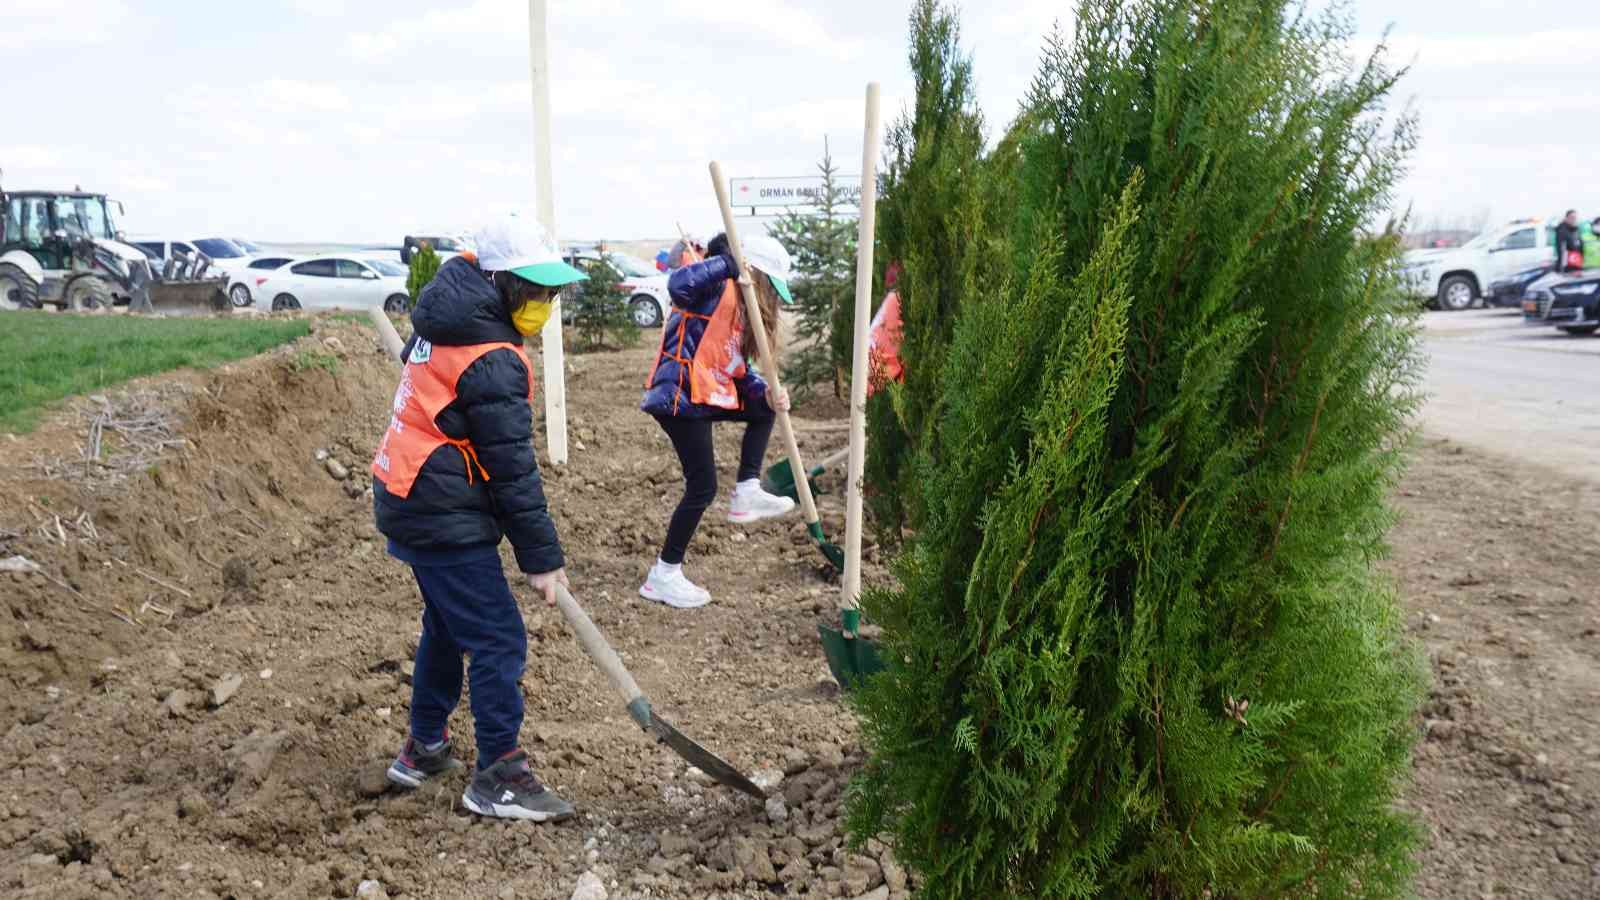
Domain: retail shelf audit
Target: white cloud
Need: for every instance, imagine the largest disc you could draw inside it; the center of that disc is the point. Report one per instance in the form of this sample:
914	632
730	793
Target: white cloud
282	95
37	24
1510	56
352	119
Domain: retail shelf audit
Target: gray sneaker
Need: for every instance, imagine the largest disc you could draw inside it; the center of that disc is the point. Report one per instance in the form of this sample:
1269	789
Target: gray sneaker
416	763
508	790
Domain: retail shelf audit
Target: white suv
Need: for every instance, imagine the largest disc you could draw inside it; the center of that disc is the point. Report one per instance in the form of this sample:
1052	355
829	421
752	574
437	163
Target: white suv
1456	278
648	301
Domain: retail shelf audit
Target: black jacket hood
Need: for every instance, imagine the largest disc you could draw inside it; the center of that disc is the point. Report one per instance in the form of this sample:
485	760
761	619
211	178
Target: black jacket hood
460	307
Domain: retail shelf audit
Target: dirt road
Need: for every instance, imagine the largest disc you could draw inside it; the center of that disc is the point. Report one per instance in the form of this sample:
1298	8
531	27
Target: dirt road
201	685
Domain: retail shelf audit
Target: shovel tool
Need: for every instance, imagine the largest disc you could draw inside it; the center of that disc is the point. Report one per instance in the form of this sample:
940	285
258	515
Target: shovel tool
853	658
835	556
779	477
607	660
639	705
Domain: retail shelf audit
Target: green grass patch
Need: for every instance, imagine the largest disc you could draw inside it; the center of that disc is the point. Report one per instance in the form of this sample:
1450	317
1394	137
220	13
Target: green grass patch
45	357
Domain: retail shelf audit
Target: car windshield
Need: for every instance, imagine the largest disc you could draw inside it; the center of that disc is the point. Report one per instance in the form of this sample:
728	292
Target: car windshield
386	267
84	217
247	246
632	266
218	248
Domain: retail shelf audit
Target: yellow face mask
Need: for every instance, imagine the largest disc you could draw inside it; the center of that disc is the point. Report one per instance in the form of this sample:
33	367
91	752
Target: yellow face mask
530	319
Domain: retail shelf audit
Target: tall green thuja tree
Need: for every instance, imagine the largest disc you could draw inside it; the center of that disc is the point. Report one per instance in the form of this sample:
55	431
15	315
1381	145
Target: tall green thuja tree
928	222
424	265
1143	650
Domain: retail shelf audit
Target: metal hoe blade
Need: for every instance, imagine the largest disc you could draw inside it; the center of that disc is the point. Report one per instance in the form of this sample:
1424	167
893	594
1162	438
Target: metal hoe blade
707	761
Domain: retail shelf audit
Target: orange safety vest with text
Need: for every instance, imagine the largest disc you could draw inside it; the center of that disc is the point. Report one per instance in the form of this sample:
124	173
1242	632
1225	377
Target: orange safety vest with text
718	359
427	386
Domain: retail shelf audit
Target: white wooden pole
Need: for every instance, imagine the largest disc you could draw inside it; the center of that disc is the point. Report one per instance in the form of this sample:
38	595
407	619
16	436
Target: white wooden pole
555	380
859	363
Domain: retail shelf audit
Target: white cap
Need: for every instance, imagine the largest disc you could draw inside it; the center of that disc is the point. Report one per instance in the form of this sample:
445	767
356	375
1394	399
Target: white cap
517	243
764	253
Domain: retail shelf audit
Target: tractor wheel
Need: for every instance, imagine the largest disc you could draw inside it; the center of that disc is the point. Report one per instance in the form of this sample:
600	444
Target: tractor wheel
87	293
17	290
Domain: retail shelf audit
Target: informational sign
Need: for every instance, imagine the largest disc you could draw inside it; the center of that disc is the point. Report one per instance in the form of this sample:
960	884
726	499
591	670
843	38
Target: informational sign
799	191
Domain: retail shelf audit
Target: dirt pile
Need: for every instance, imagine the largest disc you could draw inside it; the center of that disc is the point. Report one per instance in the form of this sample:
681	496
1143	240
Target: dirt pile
208	672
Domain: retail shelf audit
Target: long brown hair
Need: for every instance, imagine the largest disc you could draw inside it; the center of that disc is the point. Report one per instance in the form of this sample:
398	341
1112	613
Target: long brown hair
767	299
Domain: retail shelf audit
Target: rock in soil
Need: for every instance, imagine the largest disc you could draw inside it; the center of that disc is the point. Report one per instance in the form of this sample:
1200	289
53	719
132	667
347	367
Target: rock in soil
223	690
589	887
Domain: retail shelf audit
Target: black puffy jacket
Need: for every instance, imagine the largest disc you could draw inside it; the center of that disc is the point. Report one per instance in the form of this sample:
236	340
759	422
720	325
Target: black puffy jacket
445	509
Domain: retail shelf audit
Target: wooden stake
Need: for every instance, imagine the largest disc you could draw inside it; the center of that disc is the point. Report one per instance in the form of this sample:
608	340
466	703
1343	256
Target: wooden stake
851	593
555	383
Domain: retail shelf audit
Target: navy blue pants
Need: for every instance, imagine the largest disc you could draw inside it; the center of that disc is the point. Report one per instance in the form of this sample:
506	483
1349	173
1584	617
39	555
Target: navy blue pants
467	608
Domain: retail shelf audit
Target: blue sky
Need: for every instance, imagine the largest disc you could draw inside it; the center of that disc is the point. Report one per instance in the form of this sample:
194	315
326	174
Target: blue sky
364	119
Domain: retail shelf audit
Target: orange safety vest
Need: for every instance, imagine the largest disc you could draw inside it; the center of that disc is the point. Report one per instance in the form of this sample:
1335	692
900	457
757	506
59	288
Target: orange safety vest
718	360
427	386
883	345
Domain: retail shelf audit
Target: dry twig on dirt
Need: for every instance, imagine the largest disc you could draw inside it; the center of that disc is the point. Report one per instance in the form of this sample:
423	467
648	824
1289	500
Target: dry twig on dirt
124	434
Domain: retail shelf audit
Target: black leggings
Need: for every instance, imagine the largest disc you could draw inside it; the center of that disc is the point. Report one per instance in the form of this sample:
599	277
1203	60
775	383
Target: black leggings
692	439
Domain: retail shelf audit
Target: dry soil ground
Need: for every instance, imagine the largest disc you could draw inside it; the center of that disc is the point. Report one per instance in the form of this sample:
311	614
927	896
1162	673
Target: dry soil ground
203	683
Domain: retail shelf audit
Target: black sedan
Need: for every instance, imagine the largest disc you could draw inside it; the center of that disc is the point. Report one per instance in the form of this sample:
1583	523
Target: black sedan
1569	301
1507	292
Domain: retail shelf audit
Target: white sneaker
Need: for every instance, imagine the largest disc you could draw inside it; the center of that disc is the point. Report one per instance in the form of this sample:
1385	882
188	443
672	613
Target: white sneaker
668	584
752	504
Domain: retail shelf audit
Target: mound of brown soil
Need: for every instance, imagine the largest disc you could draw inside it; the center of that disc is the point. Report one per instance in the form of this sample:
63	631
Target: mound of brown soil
207	674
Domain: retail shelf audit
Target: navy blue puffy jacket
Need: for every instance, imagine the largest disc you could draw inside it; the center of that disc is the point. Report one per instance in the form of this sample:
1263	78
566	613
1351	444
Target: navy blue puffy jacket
444	509
698	289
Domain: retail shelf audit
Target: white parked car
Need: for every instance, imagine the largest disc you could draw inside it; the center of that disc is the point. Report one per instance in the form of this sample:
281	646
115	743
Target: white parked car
225	255
243	283
647	288
335	281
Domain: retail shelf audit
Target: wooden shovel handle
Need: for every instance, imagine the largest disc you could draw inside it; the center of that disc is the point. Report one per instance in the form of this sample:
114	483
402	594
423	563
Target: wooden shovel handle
386	333
851	583
763	345
594	643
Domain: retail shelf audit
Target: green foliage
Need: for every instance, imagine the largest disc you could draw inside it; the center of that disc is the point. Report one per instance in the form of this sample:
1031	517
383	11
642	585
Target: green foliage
44	358
929	219
306	360
600	315
1145	650
424	265
822	245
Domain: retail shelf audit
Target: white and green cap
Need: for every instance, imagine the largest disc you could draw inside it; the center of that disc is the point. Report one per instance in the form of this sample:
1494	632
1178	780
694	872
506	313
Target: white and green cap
767	256
518	244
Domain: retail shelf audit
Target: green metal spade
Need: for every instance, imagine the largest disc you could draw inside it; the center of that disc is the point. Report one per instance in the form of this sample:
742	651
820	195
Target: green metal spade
851	657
